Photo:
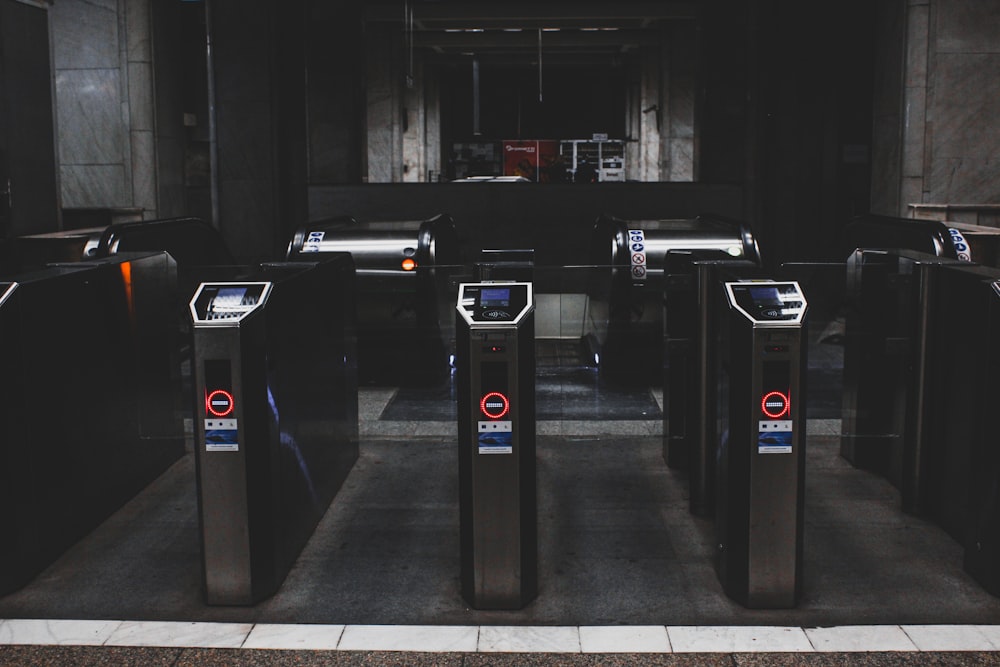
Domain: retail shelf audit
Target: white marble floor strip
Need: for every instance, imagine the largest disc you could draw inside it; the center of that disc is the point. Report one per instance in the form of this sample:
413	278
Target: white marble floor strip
527	639
294	637
740	639
860	638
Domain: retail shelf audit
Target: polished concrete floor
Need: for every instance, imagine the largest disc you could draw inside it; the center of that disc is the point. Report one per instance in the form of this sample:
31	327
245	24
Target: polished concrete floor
624	566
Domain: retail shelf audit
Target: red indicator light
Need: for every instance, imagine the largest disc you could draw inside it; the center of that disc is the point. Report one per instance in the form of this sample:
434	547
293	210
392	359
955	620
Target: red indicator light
494	405
408	264
219	403
775	405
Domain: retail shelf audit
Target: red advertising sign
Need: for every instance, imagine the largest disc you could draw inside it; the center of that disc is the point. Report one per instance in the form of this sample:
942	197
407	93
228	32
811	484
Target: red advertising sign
534	159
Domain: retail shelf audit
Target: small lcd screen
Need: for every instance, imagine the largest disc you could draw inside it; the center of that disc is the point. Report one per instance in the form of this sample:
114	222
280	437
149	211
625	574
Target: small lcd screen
494	297
231	295
765	296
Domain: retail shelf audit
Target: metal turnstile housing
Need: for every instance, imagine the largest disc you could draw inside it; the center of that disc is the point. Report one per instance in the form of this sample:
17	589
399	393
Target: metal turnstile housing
276	417
405	328
762	438
495	364
625	305
86	401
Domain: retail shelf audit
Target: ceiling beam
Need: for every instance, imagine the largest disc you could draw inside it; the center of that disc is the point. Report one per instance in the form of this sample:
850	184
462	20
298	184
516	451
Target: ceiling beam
529	14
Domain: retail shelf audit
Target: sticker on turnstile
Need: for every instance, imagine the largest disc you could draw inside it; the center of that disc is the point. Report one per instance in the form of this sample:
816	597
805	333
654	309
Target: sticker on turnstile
313	242
496	437
774	436
962	248
637	246
221	435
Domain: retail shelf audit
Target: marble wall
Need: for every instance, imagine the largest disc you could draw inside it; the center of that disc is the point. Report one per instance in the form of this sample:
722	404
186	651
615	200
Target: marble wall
660	110
102	61
941	142
384	100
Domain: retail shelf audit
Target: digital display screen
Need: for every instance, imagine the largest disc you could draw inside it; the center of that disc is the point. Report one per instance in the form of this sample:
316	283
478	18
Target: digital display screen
765	296
494	297
231	295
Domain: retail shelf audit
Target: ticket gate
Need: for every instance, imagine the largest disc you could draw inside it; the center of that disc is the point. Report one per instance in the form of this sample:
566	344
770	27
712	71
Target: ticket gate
626	303
869	230
977	328
495	364
692	296
276	417
886	354
953	468
405	328
86	363
762	438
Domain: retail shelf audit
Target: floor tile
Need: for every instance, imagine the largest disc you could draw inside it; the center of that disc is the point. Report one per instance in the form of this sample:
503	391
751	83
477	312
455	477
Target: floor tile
440	639
737	639
624	639
528	639
58	632
195	635
294	637
866	638
948	638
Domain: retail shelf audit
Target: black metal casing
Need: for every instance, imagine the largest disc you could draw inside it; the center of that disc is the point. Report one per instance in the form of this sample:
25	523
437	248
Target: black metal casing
692	298
886	356
276	417
86	402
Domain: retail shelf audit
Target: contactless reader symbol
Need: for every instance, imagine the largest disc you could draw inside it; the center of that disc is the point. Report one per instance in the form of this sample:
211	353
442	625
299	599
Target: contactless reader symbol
219	403
494	405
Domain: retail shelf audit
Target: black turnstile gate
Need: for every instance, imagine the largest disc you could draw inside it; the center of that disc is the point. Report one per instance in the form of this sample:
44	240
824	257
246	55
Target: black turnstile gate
495	362
886	357
86	403
762	437
276	418
692	295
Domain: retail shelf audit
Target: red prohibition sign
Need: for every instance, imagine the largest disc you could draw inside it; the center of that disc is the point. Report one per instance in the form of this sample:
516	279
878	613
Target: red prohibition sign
638	258
494	405
775	400
219	403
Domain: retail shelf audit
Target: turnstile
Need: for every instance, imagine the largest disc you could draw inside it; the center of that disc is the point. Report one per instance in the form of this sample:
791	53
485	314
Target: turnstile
692	295
977	421
276	417
403	279
495	363
953	469
762	438
886	354
87	420
625	305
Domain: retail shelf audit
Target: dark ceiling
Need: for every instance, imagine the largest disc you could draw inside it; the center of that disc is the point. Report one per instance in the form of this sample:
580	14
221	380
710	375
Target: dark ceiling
516	32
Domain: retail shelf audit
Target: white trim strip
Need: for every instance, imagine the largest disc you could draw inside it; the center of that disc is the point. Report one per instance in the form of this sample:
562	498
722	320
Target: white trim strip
527	639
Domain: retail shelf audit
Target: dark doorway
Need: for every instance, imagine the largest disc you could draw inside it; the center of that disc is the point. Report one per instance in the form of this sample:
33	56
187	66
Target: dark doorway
29	203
